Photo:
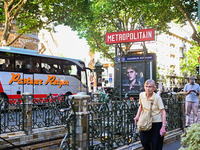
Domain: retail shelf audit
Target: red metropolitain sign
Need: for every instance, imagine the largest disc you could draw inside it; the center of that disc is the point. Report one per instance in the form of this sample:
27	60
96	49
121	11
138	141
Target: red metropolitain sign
130	36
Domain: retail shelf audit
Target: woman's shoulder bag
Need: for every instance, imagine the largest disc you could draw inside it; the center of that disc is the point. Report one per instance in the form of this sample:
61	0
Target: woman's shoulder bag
145	120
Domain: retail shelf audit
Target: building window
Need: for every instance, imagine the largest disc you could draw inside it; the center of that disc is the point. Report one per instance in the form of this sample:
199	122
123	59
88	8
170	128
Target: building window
172	56
181	49
172	45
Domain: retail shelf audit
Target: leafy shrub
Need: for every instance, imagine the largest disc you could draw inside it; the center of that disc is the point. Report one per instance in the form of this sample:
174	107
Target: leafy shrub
190	140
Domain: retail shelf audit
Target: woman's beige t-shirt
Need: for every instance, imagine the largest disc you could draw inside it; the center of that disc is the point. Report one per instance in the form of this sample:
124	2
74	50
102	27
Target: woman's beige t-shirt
157	105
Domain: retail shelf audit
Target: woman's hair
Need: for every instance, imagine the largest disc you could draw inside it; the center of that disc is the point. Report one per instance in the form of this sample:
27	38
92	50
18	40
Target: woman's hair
150	81
132	67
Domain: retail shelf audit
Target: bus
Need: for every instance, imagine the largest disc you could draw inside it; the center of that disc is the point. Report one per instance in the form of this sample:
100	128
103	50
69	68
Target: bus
26	71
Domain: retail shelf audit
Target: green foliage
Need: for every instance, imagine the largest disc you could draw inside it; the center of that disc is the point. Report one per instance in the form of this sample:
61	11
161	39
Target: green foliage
93	18
157	73
103	16
191	139
190	61
34	15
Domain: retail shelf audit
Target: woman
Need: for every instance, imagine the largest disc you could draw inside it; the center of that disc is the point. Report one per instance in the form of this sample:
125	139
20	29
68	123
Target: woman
152	139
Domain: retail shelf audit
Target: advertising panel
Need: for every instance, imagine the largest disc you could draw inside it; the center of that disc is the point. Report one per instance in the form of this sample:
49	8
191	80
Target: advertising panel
134	71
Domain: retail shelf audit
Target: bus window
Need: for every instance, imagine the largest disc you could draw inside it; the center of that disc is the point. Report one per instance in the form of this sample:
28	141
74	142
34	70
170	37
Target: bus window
69	68
22	63
73	70
51	66
66	68
83	78
55	69
35	65
44	67
6	62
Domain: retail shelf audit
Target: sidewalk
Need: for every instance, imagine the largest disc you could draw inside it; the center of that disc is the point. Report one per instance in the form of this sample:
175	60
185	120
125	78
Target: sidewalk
177	144
172	146
172	139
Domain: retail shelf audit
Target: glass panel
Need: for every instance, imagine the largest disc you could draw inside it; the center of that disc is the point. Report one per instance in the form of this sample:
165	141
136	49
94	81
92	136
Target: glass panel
51	66
66	67
70	68
73	70
6	62
23	63
83	77
35	65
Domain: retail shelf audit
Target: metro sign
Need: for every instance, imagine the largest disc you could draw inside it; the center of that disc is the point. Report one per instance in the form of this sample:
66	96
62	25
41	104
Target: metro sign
130	36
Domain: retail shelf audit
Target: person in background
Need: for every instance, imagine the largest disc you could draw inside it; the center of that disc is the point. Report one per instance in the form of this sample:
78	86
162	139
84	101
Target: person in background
152	139
141	80
191	89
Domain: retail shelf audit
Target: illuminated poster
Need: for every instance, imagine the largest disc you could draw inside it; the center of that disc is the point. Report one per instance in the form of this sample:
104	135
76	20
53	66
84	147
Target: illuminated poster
134	72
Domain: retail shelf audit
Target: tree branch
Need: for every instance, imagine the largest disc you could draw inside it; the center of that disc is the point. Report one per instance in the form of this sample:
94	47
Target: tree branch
19	8
105	52
13	41
194	35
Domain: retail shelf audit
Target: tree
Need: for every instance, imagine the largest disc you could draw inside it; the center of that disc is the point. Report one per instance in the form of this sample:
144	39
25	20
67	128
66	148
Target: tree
93	18
191	60
189	9
104	16
33	15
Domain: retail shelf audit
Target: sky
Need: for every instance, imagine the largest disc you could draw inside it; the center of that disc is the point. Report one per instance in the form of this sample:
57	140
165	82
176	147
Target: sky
69	44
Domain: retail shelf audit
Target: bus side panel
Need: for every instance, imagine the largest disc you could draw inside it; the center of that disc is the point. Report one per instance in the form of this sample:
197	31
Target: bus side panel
28	83
11	84
53	84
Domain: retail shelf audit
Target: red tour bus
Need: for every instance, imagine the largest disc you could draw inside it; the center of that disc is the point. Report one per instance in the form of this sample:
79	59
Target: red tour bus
24	70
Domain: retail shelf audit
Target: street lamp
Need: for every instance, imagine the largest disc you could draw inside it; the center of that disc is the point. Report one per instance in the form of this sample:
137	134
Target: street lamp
98	69
119	53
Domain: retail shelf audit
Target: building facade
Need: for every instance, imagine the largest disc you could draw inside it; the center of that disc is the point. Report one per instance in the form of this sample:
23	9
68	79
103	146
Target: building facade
28	41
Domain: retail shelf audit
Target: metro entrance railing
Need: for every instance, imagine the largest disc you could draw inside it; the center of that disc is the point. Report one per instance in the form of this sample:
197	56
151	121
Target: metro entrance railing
102	122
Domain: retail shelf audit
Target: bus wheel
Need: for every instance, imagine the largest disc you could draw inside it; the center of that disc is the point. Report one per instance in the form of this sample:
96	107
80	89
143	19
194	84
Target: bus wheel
3	102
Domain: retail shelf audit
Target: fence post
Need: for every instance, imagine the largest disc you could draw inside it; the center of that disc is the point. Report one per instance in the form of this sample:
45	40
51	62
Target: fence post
81	109
183	111
28	103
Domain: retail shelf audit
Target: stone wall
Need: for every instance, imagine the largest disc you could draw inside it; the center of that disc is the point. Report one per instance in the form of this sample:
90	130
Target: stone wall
27	41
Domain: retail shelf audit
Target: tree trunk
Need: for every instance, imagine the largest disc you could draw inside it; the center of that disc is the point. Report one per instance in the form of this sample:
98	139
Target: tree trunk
7	26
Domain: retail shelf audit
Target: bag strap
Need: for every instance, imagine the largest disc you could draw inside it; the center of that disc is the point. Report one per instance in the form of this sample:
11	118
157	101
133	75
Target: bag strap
151	108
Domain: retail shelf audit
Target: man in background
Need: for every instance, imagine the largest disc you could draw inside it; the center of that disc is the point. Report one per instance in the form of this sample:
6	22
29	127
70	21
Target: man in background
191	89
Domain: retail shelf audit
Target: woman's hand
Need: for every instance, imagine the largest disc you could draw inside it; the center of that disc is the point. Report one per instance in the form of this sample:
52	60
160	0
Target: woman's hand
162	131
136	119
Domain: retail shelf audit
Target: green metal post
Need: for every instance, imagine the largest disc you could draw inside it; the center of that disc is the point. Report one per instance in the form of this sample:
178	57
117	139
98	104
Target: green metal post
199	9
120	70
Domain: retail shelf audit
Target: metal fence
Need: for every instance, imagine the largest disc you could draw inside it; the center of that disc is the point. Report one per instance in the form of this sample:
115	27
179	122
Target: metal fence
110	120
45	113
11	116
111	124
